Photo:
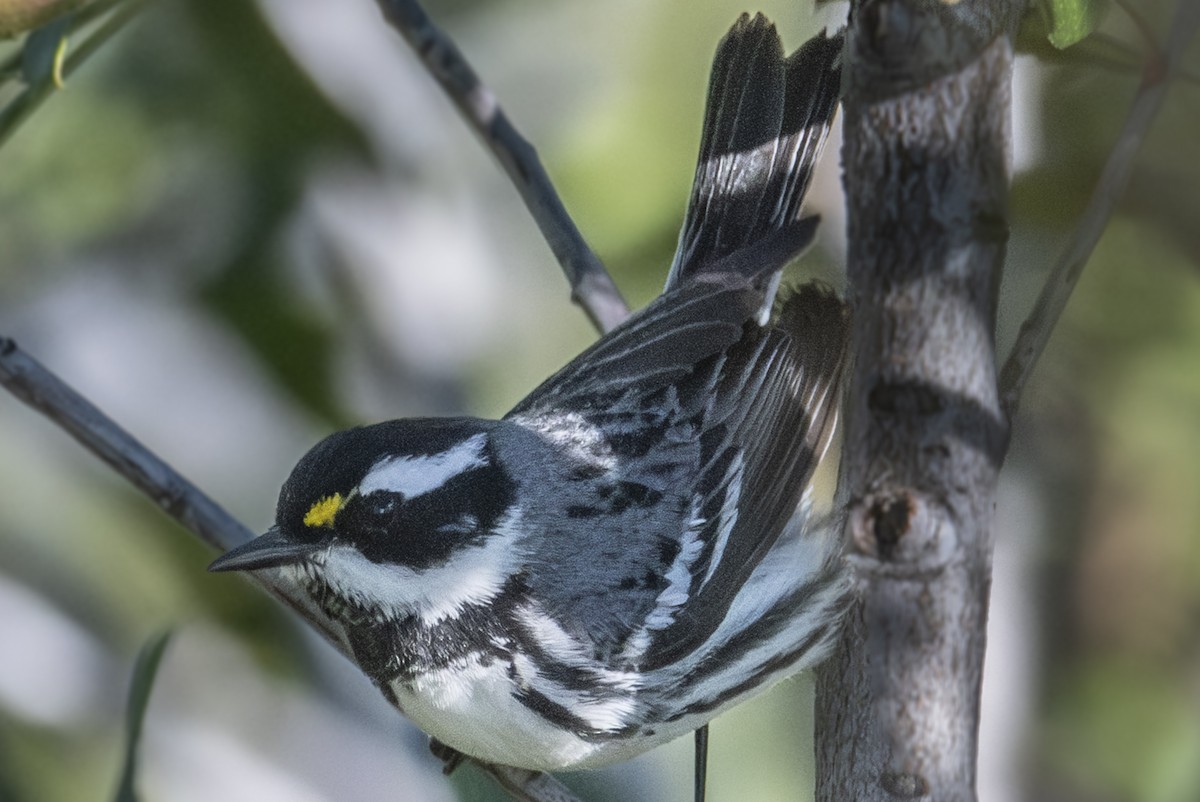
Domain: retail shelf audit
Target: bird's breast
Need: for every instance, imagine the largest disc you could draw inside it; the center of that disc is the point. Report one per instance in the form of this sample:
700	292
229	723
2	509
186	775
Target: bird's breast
473	708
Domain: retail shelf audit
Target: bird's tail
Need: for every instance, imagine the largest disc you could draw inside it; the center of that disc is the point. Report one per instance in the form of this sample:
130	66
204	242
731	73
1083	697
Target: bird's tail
765	122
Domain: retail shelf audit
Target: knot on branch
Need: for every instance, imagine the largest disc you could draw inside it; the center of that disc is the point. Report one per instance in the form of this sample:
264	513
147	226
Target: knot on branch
898	527
890	519
904	785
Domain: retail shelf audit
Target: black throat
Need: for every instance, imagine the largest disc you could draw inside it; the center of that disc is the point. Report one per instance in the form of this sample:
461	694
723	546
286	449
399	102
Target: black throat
398	649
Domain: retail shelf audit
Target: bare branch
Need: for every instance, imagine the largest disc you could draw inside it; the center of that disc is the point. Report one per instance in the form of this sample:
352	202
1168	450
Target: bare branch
32	383
28	380
591	286
1037	328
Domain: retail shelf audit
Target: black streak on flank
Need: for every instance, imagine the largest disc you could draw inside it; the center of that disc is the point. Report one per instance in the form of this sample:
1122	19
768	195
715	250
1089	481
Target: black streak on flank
628	494
554	712
585	472
617	498
668	550
765	669
560	715
634	444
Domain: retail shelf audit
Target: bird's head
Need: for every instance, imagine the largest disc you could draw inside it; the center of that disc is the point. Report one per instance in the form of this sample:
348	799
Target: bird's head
400	518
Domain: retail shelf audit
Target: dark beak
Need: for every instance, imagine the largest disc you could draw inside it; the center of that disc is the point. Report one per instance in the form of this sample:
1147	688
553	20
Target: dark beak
266	551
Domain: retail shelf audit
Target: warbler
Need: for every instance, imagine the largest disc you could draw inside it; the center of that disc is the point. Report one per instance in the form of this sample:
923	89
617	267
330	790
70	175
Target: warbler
632	549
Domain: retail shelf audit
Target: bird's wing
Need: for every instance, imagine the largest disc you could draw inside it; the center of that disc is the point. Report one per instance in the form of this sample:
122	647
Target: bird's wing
689	433
688	465
660	343
773	412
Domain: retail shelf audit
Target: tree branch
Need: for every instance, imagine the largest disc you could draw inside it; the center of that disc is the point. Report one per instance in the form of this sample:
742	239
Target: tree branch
591	286
32	383
926	168
1064	275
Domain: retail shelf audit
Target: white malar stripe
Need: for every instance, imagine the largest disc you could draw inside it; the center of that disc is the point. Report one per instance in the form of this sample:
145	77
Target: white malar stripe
474	575
416	476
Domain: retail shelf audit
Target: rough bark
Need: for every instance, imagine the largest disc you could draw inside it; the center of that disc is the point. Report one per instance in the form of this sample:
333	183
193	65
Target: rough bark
926	169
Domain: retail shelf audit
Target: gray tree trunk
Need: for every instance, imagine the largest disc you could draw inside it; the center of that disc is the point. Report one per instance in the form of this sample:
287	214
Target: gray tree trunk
926	159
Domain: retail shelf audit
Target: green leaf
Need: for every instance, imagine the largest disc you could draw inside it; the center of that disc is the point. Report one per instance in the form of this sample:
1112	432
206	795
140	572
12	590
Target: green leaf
145	669
1069	21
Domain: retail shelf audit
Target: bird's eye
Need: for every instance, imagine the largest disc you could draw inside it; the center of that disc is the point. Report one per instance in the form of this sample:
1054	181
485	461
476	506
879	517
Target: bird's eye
382	505
375	511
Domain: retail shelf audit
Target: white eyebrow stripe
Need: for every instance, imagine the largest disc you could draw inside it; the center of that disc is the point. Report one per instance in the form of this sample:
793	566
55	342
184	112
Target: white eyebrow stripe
417	475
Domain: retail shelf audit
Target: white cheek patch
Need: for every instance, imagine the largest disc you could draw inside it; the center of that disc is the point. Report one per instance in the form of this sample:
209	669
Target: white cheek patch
416	476
473	575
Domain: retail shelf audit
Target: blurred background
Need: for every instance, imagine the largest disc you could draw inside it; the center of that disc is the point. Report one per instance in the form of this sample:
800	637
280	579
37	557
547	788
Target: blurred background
242	225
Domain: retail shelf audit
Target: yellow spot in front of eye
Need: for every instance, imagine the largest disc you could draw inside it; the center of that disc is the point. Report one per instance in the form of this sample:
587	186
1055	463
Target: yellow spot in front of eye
323	512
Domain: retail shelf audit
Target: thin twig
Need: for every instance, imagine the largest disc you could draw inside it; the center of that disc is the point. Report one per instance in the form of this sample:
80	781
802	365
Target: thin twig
591	286
1037	328
32	383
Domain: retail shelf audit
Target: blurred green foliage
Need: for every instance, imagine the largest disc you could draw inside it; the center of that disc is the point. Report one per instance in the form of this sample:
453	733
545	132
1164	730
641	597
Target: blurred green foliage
180	162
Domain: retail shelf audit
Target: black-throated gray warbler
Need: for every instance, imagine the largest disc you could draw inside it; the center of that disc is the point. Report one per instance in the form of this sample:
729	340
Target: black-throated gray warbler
630	550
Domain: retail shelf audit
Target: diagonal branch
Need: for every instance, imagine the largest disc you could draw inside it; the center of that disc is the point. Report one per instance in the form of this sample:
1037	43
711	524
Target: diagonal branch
32	383
1037	328
591	286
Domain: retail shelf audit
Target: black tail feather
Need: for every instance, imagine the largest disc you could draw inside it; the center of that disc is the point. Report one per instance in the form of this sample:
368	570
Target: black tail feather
765	121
